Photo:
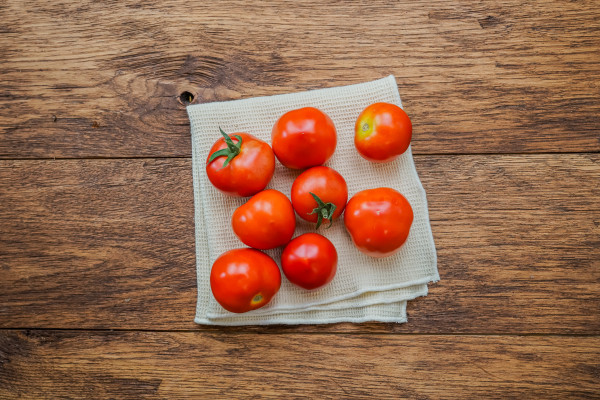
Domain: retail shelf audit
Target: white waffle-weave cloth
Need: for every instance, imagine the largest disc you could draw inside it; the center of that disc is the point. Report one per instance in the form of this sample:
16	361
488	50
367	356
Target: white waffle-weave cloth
364	288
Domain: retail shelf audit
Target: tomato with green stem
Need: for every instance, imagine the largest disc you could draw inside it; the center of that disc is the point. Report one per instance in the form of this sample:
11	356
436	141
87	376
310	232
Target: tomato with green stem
319	195
240	165
244	279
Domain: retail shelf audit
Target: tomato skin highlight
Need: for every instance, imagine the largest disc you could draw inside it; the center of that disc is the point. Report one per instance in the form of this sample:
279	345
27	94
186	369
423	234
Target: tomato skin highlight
378	221
324	182
247	173
265	221
383	132
304	138
244	279
309	261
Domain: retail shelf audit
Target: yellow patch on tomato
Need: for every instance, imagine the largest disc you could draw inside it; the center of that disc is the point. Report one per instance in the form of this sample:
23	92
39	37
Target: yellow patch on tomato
364	129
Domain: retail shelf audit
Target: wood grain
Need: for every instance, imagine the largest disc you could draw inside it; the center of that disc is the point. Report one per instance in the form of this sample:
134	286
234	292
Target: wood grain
135	365
90	243
96	79
96	202
110	244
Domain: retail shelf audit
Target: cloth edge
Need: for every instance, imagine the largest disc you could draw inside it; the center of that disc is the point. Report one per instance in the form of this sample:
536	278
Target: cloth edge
300	92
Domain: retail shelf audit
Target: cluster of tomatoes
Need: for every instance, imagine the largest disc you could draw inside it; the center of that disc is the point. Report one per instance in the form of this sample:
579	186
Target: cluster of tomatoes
378	220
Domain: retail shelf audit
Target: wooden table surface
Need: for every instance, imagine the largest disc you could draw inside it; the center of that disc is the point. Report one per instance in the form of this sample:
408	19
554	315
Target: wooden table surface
97	267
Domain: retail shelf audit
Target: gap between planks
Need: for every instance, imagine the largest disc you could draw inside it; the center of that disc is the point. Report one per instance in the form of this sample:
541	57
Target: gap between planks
190	157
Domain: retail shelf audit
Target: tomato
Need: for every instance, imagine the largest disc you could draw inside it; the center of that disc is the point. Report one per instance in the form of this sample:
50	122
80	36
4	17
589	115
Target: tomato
244	279
304	138
309	261
382	132
319	194
378	221
265	221
241	166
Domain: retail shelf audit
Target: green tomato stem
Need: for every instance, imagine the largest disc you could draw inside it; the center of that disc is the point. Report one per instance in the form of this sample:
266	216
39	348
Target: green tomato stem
232	150
323	211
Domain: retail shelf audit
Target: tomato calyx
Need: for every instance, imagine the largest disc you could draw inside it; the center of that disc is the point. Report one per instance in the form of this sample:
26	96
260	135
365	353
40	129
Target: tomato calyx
323	210
232	149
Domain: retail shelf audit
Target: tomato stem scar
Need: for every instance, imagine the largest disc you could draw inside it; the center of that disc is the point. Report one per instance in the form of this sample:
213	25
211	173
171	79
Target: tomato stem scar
256	299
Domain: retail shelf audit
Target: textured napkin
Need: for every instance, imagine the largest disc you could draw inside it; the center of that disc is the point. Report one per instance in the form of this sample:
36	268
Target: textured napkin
364	288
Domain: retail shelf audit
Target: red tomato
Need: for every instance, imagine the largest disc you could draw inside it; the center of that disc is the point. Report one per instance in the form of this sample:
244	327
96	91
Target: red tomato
382	132
265	221
378	221
309	261
241	166
244	279
304	138
319	194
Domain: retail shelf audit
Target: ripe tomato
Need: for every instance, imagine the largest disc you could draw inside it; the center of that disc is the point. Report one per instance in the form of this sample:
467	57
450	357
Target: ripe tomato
378	221
382	132
304	138
309	261
244	279
241	166
319	195
265	221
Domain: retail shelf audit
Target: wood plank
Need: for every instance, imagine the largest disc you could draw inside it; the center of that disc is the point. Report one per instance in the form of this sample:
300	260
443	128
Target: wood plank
90	79
162	365
90	243
110	244
518	237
